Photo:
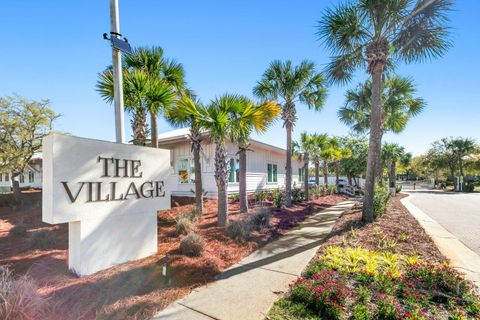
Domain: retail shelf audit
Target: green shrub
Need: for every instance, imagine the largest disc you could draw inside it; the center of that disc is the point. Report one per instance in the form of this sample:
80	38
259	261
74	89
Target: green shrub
361	312
260	219
191	245
278	197
261	196
43	240
298	195
380	200
238	229
234	196
388	308
8	200
20	230
469	187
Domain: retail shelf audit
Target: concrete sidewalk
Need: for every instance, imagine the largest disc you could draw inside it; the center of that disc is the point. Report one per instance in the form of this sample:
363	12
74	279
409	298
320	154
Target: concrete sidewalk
460	256
247	290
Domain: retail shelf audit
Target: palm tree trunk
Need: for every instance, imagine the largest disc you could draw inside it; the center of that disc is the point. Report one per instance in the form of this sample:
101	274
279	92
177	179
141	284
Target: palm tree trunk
374	145
378	162
305	177
196	146
221	178
139	127
317	173
325	173
154	134
242	183
337	175
288	167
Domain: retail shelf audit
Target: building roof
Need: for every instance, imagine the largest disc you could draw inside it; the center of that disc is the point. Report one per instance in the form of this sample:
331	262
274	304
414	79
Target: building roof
182	134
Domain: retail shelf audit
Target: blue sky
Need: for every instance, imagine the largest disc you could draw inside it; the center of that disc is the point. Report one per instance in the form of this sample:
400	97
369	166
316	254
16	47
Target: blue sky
54	50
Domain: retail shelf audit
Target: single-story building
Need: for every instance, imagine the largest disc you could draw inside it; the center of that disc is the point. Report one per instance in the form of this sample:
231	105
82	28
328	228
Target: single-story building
30	178
265	165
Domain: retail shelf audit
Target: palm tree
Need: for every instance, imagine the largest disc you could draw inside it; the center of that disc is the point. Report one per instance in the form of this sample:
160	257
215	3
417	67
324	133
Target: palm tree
188	112
319	142
135	88
461	147
247	118
373	35
398	105
391	154
289	85
302	150
162	80
338	152
218	121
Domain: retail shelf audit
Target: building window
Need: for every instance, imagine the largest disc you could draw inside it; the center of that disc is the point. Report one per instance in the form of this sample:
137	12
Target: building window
272	173
31	177
301	174
7	177
21	178
233	170
1	177
186	171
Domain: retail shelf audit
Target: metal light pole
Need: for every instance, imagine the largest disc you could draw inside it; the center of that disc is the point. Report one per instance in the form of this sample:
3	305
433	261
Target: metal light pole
117	74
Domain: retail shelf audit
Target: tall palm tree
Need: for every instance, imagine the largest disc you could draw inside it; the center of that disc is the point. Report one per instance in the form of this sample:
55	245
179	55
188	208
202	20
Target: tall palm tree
188	112
391	154
248	118
163	81
399	104
303	150
373	35
289	85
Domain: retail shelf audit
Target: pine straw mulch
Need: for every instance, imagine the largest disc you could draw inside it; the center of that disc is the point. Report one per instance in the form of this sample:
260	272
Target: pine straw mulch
137	289
396	226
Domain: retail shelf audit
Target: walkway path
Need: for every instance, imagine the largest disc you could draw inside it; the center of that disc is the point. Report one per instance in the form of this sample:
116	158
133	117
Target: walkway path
247	290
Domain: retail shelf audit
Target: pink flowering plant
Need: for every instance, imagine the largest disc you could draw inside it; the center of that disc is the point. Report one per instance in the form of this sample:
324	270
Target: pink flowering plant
325	292
418	291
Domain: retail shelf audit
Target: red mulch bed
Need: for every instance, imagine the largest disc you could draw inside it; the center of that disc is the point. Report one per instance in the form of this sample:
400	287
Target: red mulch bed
134	290
397	226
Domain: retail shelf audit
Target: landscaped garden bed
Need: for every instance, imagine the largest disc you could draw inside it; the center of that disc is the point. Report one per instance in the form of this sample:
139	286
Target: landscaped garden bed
138	289
388	269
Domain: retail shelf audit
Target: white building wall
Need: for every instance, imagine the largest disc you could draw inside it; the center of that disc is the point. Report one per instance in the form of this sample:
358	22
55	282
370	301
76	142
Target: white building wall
35	171
257	161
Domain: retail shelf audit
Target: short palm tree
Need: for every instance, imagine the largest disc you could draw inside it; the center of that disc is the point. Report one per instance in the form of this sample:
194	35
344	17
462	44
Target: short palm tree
320	140
373	35
461	147
302	150
217	120
188	112
391	154
248	118
399	104
288	85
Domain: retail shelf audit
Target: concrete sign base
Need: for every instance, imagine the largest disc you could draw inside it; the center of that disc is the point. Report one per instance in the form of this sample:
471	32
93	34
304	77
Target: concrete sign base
94	245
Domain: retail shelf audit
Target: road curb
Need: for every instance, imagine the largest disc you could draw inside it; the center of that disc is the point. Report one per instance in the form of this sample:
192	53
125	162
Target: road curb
460	256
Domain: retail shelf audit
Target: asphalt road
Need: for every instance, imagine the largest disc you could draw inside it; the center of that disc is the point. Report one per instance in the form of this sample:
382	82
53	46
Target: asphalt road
459	213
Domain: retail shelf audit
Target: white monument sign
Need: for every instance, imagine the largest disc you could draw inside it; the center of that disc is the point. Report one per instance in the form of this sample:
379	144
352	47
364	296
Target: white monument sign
109	194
